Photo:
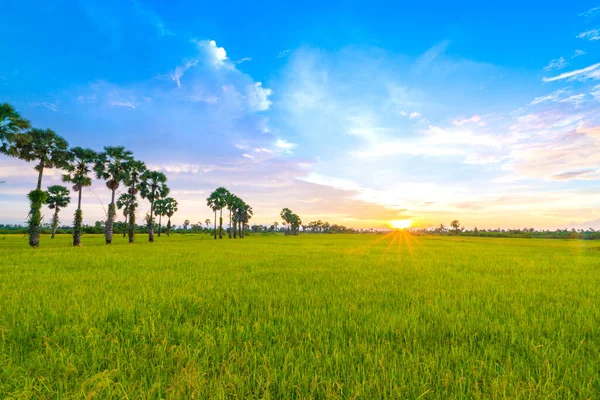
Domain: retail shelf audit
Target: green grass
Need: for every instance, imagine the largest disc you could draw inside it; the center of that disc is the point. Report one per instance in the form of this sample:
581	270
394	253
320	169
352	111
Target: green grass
323	316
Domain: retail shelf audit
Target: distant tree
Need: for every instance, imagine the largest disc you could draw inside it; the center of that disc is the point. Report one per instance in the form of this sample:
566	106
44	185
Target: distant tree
170	208
159	209
134	171
455	226
276	225
217	201
111	166
78	173
207	222
49	150
58	198
153	186
186	223
125	202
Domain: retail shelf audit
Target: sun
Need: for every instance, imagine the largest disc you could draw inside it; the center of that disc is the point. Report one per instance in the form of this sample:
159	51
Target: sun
401	223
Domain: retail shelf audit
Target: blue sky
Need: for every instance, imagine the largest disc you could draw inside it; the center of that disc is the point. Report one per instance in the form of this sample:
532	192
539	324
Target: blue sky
353	112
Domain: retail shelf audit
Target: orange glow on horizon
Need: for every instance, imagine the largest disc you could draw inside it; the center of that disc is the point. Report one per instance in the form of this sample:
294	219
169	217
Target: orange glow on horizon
401	223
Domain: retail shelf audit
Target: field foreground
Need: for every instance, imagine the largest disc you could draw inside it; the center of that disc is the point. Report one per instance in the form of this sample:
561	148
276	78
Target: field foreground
313	316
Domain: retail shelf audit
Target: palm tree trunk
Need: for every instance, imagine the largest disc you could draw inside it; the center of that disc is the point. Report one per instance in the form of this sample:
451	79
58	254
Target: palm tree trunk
54	222
215	224
126	224
131	232
108	229
151	224
41	172
234	229
169	227
220	223
77	222
229	233
159	223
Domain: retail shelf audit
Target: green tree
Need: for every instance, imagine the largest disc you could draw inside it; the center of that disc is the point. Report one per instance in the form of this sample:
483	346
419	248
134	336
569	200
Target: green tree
230	202
48	150
186	223
78	173
58	197
217	201
170	209
134	170
125	202
455	226
153	187
11	123
160	210
207	222
110	166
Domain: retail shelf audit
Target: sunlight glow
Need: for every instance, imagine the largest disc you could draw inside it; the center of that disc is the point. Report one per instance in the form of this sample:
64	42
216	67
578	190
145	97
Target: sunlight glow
401	223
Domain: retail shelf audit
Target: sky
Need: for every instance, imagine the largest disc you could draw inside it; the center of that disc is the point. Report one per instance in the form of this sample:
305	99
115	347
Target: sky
353	112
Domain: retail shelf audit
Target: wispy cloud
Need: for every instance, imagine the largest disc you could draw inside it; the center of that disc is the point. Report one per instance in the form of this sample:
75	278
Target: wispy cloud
49	106
258	97
559	63
242	60
282	53
591	12
578	53
430	55
180	70
591	34
590	72
284	145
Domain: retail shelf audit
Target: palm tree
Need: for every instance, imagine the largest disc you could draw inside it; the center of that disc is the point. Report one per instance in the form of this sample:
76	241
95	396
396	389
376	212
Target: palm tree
236	211
232	202
245	213
186	223
153	187
286	215
49	150
217	201
159	209
133	177
170	209
58	197
78	173
111	167
125	202
11	123
276	224
207	222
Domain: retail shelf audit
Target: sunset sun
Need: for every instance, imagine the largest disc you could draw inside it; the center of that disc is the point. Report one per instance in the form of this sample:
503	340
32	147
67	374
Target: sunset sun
401	223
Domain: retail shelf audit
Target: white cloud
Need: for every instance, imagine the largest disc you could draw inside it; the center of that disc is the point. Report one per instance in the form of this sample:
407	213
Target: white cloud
578	53
590	13
243	60
590	72
284	145
559	63
282	53
473	120
216	55
258	97
180	70
120	103
591	34
430	55
49	106
554	96
414	115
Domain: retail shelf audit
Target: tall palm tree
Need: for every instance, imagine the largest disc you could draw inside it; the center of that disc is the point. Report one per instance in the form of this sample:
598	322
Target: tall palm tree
160	210
58	197
170	209
78	173
49	150
286	215
207	222
245	215
231	200
111	167
153	187
125	202
134	170
11	123
217	201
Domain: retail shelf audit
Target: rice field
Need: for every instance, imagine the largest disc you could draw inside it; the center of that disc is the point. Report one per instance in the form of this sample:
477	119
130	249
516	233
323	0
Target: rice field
306	317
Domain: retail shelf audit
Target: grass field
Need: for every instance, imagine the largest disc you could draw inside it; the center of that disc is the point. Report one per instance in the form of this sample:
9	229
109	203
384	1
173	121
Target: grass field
313	316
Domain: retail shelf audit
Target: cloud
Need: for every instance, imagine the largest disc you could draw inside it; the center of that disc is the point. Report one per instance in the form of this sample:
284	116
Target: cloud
258	97
559	63
118	103
591	34
243	60
216	55
554	96
153	18
590	13
282	53
49	106
284	145
414	115
571	175
590	72
180	70
578	53
430	55
473	120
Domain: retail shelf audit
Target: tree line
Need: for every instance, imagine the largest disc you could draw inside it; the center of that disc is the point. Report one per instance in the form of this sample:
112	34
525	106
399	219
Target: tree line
115	165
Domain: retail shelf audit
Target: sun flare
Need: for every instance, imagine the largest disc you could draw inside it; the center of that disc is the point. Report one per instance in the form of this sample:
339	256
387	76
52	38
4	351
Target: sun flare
401	223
